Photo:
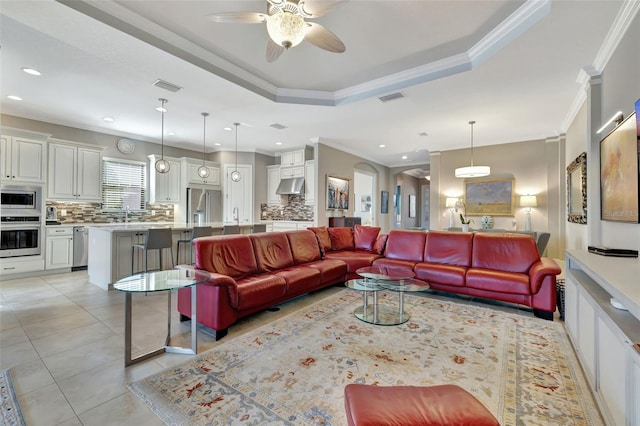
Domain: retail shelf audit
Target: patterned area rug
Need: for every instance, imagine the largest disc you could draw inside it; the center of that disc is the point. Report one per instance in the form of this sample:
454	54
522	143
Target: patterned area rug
10	413
293	371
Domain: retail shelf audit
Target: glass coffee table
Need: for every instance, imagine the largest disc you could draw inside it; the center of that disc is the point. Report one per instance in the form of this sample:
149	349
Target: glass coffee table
149	282
379	278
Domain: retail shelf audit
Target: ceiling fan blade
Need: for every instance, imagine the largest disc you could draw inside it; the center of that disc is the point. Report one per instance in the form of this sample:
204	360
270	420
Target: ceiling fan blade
273	51
317	8
238	17
321	37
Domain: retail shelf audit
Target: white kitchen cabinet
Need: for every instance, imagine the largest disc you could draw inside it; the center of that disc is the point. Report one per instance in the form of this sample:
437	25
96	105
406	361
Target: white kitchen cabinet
75	172
273	180
291	172
59	247
292	158
194	178
238	196
164	187
23	160
310	182
602	335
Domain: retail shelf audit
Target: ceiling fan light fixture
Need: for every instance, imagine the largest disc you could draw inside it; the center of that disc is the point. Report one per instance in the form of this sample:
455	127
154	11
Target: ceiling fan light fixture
472	171
286	29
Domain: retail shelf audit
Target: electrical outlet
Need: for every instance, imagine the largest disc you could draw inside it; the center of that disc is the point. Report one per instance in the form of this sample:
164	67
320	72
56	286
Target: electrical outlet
63	212
153	212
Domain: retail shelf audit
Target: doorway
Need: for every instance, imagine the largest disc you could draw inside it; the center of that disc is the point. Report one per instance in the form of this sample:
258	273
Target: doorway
365	200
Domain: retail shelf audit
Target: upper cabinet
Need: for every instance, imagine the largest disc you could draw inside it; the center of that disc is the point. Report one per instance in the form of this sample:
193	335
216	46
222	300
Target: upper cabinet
164	187
75	172
292	158
273	180
310	182
23	159
191	166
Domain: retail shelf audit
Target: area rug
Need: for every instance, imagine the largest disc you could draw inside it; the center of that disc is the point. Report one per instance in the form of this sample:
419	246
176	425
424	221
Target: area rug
293	370
10	413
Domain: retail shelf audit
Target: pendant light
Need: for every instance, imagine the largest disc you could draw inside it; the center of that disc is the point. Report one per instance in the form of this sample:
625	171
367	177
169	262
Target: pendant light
235	175
162	165
203	171
472	171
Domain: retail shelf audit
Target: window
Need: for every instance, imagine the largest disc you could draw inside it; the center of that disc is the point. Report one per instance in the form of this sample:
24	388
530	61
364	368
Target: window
123	184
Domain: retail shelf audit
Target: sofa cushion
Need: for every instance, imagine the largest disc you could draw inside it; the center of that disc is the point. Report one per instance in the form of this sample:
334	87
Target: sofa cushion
364	237
380	244
300	279
272	251
436	273
450	248
341	238
504	252
394	263
258	290
230	255
331	270
354	259
405	245
304	246
498	281
323	237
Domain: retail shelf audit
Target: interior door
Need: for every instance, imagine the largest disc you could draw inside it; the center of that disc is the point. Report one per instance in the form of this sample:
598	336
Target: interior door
365	200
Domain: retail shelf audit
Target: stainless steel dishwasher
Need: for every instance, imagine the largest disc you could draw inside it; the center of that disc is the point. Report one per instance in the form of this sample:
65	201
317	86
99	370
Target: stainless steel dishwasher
80	247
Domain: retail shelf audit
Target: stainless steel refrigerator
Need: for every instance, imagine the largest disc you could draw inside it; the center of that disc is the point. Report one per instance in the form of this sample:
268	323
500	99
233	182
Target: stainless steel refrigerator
204	206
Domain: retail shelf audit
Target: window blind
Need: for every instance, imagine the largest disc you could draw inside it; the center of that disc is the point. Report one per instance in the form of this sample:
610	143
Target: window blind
123	184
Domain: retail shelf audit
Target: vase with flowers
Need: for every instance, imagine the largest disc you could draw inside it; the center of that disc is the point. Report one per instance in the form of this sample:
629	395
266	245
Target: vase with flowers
465	223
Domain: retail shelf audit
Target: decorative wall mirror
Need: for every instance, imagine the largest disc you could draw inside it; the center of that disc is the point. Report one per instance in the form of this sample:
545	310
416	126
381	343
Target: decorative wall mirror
577	190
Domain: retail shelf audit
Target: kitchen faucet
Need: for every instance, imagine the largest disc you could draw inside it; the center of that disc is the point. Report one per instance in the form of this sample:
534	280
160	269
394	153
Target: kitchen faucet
236	215
126	214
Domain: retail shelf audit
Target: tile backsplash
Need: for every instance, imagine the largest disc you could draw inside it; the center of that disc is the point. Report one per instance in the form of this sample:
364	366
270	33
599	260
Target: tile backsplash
295	209
92	213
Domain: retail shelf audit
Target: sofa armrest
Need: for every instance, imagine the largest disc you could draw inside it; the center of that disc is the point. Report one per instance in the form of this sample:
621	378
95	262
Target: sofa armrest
540	270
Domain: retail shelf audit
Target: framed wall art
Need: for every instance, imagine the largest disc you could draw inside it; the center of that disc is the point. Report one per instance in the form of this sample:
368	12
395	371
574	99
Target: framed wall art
577	190
384	202
412	206
337	193
493	197
619	173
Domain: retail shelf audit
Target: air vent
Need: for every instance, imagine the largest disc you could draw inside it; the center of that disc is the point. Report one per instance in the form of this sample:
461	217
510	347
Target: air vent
277	126
167	86
391	97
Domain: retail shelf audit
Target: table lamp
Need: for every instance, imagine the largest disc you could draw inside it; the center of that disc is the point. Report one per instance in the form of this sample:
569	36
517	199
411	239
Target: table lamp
451	204
528	201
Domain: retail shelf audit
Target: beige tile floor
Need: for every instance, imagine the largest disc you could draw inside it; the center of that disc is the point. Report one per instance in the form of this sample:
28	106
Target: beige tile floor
63	339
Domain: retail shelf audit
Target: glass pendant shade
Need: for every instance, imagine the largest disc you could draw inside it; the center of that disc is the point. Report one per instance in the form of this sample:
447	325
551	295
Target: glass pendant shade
472	171
235	175
203	171
286	29
162	165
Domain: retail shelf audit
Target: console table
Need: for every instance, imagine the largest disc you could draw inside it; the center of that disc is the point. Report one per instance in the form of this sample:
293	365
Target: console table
606	339
344	221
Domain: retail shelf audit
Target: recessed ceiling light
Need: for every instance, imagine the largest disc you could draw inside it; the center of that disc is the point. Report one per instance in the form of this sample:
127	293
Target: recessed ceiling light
228	129
14	97
30	71
404	157
382	146
171	133
108	119
278	143
217	144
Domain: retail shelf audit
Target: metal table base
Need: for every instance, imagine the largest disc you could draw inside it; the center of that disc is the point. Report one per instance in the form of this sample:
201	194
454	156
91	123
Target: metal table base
381	314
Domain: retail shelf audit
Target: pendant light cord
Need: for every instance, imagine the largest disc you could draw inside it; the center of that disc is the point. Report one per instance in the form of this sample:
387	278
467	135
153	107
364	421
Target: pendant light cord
472	123
236	124
204	134
162	130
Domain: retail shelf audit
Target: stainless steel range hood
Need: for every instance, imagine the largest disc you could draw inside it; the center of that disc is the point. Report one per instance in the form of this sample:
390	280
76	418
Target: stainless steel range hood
290	186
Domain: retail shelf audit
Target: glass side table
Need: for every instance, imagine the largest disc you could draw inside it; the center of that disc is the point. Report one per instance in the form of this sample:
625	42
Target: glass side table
149	282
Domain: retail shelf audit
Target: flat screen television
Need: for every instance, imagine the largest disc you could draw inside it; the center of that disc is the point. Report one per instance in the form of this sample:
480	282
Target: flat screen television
620	171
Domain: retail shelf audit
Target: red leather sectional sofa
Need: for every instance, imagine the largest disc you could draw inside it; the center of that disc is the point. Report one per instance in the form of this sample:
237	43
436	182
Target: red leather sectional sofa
250	273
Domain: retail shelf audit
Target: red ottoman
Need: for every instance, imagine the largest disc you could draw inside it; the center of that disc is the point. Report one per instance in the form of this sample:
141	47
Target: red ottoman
412	405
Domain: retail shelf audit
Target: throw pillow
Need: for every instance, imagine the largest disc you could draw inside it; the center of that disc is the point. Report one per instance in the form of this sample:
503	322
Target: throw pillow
365	236
323	237
341	238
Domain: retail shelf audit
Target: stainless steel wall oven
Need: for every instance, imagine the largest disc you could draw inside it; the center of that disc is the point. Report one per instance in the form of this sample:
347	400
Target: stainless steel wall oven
20	221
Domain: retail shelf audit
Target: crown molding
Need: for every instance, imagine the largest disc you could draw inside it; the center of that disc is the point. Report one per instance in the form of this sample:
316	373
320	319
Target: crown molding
625	17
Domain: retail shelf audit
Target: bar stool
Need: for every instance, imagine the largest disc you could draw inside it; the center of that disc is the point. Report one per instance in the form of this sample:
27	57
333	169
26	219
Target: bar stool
196	232
261	227
231	229
157	239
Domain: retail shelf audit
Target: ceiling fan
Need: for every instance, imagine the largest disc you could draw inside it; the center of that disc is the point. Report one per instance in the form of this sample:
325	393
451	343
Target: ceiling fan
287	26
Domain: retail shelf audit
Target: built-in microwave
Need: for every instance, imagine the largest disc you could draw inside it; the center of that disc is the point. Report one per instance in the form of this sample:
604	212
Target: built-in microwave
16	198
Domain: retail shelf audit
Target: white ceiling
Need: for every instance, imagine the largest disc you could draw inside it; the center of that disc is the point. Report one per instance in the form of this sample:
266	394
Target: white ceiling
510	65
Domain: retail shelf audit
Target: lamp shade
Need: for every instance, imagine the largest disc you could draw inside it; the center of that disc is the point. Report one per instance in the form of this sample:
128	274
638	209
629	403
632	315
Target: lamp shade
451	202
286	29
528	201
